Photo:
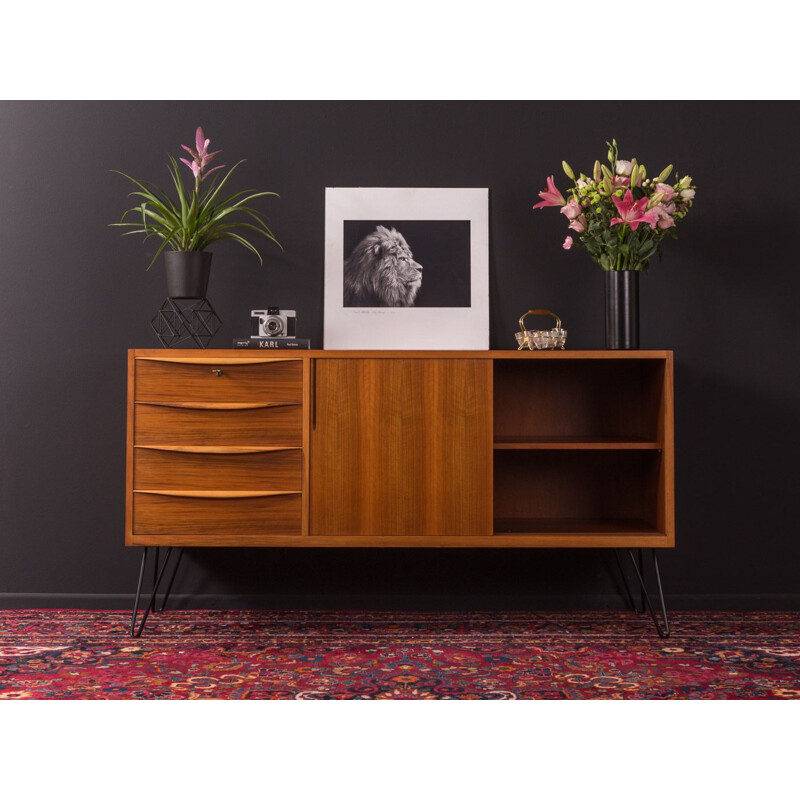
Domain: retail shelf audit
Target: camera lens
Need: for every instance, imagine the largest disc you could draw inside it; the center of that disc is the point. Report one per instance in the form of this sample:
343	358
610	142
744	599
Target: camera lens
273	325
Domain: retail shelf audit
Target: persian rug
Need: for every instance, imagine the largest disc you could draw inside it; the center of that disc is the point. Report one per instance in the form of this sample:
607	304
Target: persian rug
317	655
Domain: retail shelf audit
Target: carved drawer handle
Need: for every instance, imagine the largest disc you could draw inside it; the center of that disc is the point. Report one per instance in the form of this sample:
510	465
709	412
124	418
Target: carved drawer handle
212	494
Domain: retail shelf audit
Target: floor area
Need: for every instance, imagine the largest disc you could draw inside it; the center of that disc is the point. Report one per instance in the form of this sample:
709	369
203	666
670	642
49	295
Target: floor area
315	655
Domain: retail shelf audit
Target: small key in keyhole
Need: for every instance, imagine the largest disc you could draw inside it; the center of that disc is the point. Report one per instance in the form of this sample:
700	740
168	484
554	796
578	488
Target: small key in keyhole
217	372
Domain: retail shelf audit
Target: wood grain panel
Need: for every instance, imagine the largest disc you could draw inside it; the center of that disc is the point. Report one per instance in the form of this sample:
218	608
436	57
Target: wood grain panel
589	539
401	446
214	361
263	381
666	478
129	448
235	356
171	469
167	425
572	443
164	515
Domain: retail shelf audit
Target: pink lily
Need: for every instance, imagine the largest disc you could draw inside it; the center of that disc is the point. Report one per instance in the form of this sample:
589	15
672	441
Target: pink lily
663	218
551	196
666	190
578	224
632	212
572	210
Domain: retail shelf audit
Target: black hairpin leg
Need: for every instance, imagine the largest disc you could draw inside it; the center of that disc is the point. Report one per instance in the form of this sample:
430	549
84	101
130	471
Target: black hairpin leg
638	568
171	581
158	576
155	572
625	583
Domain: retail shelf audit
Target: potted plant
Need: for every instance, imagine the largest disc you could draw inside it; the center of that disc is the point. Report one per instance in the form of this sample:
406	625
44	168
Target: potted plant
198	218
621	217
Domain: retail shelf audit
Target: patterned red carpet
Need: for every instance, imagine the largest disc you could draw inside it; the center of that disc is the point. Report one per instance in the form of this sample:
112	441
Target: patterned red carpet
378	655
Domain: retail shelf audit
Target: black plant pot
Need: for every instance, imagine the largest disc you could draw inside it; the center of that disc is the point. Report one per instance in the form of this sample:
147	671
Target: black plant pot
187	273
622	310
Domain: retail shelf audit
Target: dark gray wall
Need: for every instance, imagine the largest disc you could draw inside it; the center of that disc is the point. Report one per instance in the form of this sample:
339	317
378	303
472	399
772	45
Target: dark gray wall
74	296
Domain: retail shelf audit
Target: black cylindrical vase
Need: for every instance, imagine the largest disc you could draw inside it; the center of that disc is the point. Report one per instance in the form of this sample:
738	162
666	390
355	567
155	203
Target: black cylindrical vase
187	273
622	310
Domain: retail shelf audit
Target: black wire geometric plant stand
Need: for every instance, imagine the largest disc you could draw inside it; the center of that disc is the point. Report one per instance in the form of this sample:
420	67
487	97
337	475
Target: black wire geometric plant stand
181	319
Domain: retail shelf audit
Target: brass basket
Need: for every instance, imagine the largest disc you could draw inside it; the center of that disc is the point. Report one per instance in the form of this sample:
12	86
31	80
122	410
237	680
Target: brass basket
554	339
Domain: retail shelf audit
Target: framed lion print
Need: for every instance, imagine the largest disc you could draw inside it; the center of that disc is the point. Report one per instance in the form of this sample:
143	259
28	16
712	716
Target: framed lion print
406	269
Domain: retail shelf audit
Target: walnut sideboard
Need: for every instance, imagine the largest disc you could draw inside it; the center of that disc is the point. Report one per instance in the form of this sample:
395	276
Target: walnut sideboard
400	449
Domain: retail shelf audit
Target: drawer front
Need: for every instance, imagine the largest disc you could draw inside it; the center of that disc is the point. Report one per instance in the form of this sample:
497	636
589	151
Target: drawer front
197	468
171	425
261	382
164	514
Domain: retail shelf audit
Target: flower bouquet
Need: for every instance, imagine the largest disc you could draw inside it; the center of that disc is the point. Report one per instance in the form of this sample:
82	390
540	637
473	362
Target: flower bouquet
621	216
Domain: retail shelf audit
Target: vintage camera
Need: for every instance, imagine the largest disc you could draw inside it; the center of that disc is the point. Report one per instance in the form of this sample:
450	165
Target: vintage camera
273	322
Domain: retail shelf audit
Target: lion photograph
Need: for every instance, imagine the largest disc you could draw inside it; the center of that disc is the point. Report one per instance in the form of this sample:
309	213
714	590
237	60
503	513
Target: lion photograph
381	271
406	263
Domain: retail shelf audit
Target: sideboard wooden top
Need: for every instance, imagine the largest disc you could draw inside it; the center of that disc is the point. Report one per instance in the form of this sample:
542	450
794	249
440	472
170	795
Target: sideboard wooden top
256	355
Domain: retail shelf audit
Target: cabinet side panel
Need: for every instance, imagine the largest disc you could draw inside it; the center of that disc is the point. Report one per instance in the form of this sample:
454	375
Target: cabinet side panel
666	494
129	451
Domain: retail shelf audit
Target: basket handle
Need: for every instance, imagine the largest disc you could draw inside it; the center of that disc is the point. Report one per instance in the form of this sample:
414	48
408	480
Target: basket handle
539	312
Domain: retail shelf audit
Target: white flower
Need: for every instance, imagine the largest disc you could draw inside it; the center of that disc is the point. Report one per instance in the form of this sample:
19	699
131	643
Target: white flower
687	194
624	168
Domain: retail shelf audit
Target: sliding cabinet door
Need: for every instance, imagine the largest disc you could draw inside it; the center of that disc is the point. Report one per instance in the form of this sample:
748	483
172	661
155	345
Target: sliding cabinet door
401	447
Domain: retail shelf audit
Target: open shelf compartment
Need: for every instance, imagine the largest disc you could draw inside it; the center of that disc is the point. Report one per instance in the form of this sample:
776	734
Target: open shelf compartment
579	404
578	492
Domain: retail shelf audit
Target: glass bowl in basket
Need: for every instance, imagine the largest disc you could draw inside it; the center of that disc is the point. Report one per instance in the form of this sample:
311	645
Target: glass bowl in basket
553	339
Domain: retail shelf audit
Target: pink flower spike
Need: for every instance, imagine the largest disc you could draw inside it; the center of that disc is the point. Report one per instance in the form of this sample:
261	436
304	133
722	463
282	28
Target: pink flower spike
567	243
632	213
213	169
551	197
201	142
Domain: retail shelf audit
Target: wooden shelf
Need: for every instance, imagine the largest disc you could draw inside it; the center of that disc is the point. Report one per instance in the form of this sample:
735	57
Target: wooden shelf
574	443
559	525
